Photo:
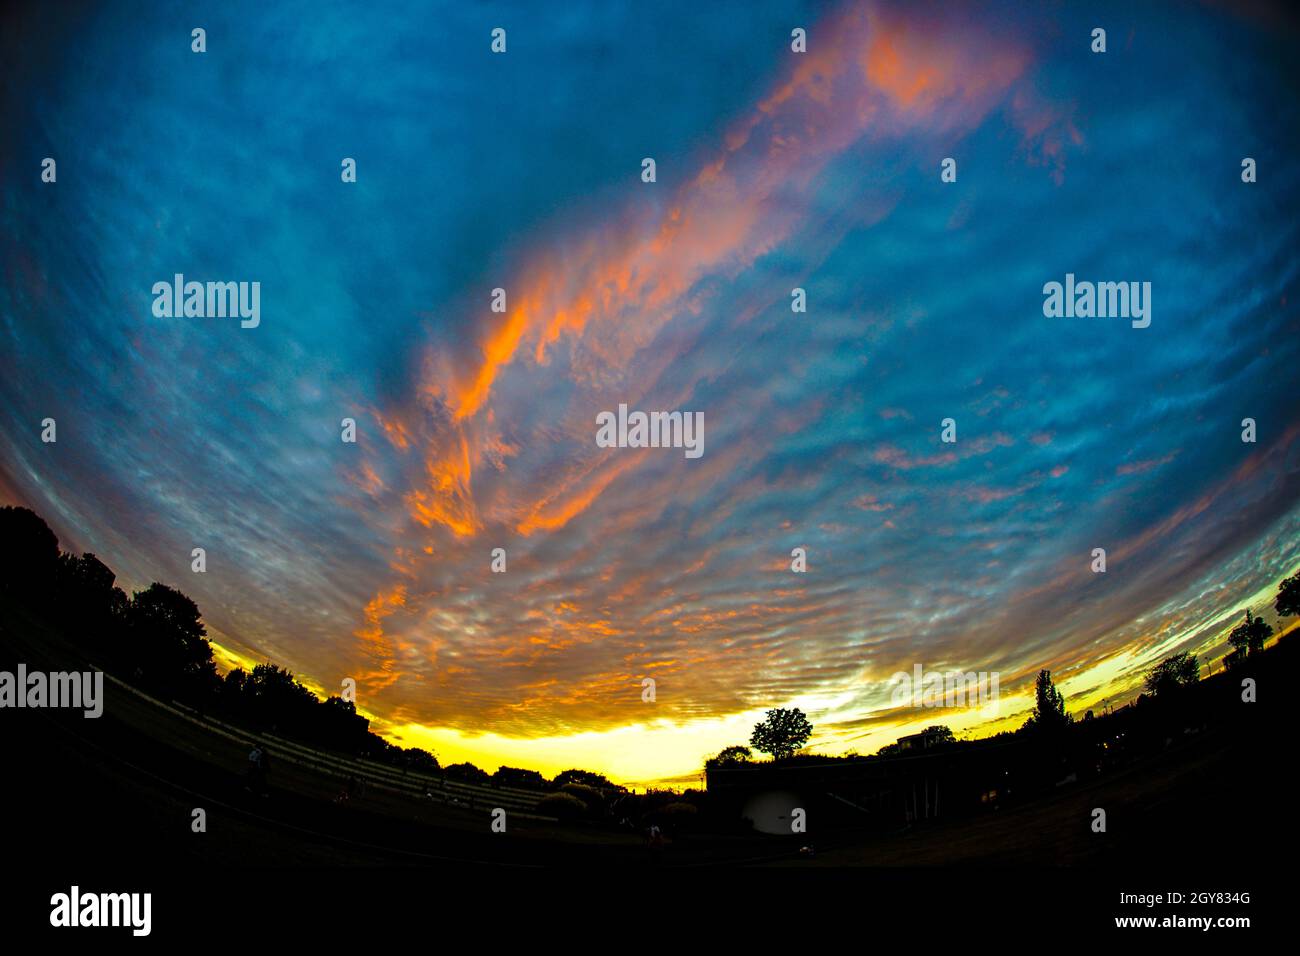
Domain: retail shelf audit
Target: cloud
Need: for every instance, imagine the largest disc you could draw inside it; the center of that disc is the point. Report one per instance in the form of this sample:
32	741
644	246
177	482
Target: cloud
476	429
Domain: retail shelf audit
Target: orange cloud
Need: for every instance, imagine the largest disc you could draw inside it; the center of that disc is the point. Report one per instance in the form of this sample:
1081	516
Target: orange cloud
869	68
607	293
559	509
447	499
381	606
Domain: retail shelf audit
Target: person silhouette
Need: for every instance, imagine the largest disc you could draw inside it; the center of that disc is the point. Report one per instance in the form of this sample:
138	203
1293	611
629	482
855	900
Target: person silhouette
253	782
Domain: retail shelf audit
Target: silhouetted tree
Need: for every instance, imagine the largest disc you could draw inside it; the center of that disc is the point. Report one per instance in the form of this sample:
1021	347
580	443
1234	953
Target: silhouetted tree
1180	670
1049	706
157	639
422	761
29	553
336	724
87	576
580	776
734	756
339	705
781	732
1288	597
169	642
91	610
1249	636
466	773
524	779
939	734
168	608
280	691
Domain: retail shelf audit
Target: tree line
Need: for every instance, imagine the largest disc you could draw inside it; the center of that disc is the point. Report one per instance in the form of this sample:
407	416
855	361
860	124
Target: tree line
783	732
155	639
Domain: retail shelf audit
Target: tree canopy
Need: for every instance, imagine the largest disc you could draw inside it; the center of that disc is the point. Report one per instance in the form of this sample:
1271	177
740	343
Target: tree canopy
781	733
1179	670
30	552
156	639
1249	636
1049	713
580	776
1288	597
733	756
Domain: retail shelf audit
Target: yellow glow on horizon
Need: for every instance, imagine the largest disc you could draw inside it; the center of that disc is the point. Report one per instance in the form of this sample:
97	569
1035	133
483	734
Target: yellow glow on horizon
663	753
667	753
639	755
229	659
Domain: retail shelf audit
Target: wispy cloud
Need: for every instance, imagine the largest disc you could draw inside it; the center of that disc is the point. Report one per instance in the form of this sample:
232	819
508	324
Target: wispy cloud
476	429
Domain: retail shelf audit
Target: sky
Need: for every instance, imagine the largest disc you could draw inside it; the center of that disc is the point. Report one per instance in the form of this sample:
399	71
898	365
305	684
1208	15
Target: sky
774	170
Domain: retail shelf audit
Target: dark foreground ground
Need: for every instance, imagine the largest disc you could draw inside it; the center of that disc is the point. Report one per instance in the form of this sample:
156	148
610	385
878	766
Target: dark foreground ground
114	797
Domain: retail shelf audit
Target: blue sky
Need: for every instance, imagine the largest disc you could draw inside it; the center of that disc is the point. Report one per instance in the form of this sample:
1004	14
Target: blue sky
775	170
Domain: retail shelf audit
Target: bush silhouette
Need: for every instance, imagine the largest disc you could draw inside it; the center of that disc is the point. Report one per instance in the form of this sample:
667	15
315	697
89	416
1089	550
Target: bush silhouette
563	805
591	798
